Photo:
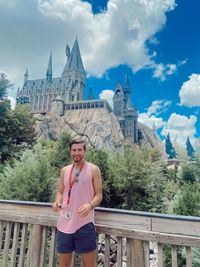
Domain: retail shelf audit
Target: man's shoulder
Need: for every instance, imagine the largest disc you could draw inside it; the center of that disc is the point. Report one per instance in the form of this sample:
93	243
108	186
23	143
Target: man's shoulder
66	168
93	166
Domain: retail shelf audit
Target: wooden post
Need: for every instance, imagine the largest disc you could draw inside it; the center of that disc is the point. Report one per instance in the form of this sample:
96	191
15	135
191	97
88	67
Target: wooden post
35	246
138	259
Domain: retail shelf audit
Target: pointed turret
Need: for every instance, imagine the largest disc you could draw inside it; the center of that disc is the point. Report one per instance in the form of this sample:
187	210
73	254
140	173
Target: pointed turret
74	61
67	52
119	101
26	76
74	73
49	69
127	88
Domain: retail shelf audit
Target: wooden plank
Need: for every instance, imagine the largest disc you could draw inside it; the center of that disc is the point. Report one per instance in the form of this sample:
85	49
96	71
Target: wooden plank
28	260
23	245
170	226
43	246
129	252
107	250
150	236
138	253
188	257
119	251
125	221
52	248
6	244
174	255
15	244
146	253
160	255
36	236
1	233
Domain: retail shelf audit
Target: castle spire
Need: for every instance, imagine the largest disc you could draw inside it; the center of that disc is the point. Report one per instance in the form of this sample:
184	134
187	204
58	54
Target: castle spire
49	69
127	88
26	76
74	61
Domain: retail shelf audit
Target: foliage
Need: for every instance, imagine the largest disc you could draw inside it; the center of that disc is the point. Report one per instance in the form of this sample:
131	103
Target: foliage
169	148
16	132
189	200
135	181
31	178
61	155
195	257
4	85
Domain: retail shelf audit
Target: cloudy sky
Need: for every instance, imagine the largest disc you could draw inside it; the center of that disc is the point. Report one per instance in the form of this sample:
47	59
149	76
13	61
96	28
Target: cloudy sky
156	41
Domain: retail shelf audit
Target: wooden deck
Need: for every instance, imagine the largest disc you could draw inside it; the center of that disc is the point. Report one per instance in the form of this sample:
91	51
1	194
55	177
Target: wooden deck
28	234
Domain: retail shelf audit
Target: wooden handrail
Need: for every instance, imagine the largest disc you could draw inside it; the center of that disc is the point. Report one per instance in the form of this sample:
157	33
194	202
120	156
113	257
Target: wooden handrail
34	223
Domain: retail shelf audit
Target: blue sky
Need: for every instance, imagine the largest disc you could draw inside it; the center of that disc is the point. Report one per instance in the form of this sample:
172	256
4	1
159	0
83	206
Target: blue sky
156	41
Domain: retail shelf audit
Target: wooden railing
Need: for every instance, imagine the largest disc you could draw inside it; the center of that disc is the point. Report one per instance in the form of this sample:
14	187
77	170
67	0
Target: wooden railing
28	235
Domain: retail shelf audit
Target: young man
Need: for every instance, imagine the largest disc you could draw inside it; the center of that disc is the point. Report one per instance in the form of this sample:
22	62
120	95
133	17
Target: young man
80	190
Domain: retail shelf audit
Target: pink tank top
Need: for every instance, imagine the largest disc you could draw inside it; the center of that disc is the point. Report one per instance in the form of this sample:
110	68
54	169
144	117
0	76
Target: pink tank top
82	192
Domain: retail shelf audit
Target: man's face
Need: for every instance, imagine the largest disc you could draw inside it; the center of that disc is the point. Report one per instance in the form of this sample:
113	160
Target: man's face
77	152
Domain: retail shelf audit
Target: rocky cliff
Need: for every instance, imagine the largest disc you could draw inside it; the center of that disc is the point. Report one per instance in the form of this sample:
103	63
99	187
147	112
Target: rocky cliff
99	127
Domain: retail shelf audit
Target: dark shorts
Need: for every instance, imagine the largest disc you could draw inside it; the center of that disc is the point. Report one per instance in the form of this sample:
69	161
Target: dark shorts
82	241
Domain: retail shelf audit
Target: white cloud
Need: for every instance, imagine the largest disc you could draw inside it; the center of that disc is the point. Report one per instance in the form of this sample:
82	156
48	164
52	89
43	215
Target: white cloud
108	95
161	71
150	117
115	36
190	92
151	121
12	101
180	127
158	106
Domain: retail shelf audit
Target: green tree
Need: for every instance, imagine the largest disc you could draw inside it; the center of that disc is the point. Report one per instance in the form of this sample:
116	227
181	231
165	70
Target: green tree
31	178
189	200
16	132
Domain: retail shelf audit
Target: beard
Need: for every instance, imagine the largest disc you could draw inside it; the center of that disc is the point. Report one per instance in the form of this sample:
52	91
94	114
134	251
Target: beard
77	159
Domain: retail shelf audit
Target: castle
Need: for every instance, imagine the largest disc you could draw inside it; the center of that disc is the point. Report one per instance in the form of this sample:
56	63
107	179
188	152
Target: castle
56	95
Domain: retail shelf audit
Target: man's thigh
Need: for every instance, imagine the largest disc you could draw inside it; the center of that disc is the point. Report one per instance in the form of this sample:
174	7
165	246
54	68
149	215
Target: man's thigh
85	239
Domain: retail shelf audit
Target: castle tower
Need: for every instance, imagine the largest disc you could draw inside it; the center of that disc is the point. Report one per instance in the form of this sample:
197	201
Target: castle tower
49	70
130	123
119	101
74	73
26	76
127	88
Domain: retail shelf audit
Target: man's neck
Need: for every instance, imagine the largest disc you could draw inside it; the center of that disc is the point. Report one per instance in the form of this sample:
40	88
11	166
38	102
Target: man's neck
78	165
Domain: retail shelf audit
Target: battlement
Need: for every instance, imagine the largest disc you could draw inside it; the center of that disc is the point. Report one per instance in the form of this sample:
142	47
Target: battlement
88	104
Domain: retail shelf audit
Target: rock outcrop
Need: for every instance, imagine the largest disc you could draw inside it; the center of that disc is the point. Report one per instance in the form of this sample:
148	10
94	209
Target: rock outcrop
99	127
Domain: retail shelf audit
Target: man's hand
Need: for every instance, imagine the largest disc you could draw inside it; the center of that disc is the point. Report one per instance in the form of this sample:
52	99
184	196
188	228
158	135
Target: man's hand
56	206
84	209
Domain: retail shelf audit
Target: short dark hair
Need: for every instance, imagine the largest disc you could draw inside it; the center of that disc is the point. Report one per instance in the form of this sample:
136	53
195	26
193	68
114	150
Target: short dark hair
77	141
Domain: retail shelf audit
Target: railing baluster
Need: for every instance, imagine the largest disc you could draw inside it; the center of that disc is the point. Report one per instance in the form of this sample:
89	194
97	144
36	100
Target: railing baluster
23	245
52	248
119	251
160	255
14	244
174	255
146	253
1	234
43	246
128	252
6	244
188	257
107	250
